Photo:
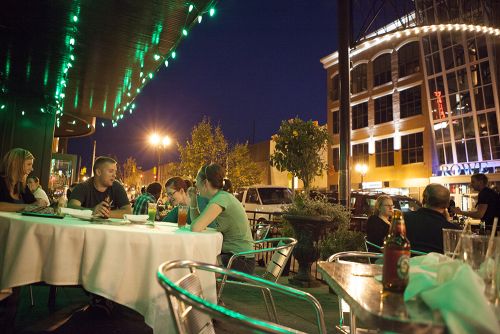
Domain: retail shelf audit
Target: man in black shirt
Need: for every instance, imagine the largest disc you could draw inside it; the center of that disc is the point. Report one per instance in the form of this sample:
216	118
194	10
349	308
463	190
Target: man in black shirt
488	201
105	196
424	227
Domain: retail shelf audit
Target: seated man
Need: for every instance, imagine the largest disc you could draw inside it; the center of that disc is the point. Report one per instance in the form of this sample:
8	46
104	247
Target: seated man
101	193
424	227
153	192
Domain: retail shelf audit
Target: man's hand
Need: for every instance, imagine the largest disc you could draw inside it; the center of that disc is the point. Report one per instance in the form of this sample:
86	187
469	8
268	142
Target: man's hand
456	210
102	210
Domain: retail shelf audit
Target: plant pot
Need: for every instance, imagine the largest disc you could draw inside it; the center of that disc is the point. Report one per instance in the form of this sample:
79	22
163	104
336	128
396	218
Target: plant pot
308	230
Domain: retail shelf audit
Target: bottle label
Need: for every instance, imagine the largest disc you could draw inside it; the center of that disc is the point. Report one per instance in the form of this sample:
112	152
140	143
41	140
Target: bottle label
403	266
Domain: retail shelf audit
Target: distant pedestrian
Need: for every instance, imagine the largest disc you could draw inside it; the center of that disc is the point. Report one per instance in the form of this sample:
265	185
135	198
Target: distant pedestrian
151	195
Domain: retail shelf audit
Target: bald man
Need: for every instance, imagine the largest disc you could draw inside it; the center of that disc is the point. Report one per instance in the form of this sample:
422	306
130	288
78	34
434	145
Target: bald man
424	227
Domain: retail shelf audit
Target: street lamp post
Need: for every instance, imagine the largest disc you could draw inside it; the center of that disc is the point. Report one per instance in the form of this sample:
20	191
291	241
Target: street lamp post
362	169
158	142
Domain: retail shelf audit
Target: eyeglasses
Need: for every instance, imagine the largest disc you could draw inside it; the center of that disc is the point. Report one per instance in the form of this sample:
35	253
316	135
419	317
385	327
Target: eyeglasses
389	205
171	194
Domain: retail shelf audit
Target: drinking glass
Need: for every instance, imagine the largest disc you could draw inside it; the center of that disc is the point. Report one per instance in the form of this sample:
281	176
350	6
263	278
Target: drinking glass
451	238
182	215
475	254
151	211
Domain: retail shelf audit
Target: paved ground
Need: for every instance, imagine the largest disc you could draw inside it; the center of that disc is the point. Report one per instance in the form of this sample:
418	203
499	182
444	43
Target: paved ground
72	314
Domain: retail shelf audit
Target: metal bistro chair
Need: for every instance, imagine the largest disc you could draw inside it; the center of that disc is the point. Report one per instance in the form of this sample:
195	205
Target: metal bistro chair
260	232
413	252
343	306
193	314
281	253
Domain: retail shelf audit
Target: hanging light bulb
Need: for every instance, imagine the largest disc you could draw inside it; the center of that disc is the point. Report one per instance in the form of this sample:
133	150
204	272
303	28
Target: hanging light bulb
184	32
199	18
174	54
190	8
212	11
166	63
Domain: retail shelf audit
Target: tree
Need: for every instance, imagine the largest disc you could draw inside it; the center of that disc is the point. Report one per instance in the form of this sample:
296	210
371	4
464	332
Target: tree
241	170
207	145
131	176
298	149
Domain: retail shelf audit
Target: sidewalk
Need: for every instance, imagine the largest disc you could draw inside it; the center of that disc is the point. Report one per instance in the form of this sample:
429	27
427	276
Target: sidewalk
72	315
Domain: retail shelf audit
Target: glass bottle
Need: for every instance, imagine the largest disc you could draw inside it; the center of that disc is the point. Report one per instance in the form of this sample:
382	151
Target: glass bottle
395	274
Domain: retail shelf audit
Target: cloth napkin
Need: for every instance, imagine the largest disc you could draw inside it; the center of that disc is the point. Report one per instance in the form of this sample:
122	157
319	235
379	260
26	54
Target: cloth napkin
76	212
454	289
136	218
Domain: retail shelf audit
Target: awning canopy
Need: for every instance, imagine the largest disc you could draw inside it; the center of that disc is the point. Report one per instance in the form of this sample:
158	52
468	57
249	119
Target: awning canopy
89	58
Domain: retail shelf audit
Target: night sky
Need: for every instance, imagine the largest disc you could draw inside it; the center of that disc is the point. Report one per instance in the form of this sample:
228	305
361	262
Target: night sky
254	61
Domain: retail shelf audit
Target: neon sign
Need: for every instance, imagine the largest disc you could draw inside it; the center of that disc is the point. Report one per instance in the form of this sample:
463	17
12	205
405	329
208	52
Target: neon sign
439	101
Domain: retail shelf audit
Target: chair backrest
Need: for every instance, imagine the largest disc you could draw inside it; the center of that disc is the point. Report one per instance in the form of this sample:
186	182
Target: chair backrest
187	318
283	251
194	304
354	255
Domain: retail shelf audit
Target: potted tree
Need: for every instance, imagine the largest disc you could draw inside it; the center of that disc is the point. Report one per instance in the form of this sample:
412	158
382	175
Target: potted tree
298	150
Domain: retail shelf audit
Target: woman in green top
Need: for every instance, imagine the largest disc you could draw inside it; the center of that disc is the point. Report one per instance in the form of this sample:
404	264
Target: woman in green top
230	216
176	190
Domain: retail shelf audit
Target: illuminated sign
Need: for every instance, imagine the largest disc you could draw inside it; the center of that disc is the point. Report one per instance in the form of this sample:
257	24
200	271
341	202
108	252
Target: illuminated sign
466	168
439	101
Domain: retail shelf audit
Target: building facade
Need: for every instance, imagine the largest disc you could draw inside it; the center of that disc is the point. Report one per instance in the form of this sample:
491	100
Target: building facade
424	101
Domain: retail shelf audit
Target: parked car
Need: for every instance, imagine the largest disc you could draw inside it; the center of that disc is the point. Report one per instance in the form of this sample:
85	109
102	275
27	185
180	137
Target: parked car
363	203
261	200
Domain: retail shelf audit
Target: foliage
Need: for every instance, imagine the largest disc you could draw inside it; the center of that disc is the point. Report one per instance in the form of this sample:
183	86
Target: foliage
208	145
298	149
241	170
304	205
131	175
341	240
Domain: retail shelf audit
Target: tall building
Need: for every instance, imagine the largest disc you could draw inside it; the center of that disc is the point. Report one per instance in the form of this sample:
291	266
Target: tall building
424	100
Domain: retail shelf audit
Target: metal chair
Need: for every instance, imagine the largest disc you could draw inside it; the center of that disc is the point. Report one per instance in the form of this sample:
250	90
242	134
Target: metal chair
413	252
261	230
343	306
193	314
281	253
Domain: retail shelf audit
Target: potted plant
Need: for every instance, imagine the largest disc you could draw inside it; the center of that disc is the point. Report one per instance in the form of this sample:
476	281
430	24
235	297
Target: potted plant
297	150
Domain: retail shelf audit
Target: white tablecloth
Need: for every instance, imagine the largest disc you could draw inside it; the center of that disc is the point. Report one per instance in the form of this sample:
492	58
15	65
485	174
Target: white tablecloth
117	262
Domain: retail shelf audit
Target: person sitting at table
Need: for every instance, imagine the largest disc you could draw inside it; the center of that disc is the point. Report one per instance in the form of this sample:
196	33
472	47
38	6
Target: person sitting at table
37	191
14	192
101	193
176	190
231	217
152	194
378	224
424	227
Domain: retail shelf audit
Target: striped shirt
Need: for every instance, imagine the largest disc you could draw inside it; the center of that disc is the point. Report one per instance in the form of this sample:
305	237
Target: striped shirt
141	203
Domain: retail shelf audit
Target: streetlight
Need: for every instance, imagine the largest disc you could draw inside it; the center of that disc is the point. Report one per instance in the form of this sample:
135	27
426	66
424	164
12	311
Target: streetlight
159	142
361	169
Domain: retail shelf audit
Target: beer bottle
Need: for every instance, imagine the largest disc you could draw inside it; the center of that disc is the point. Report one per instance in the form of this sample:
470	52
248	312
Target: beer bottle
396	267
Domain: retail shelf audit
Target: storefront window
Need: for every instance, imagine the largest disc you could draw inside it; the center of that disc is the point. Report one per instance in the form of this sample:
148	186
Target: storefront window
488	131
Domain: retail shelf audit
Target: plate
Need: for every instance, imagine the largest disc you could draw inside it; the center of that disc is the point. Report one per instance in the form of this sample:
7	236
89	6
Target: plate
137	219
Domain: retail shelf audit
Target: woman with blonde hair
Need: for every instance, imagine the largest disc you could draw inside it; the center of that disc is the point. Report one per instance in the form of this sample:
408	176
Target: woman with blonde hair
14	192
378	224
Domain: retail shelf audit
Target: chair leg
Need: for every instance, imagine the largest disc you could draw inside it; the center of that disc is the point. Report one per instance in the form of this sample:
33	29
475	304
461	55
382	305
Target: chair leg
32	300
270	305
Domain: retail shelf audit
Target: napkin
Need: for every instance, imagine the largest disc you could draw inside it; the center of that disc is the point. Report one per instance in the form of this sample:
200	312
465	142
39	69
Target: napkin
76	212
454	289
136	218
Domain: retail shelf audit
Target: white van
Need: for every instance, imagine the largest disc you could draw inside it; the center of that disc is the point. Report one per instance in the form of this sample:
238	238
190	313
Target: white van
263	198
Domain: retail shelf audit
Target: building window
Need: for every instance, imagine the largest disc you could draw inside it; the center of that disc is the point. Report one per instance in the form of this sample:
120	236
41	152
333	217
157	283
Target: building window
409	59
382	69
488	133
384	152
431	50
336	158
458	89
412	148
410	102
482	87
383	109
358	79
465	140
334	93
360	116
360	154
335	122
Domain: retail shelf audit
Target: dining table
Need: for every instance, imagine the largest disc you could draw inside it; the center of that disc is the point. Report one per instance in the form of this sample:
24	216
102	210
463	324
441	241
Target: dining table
360	286
114	258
